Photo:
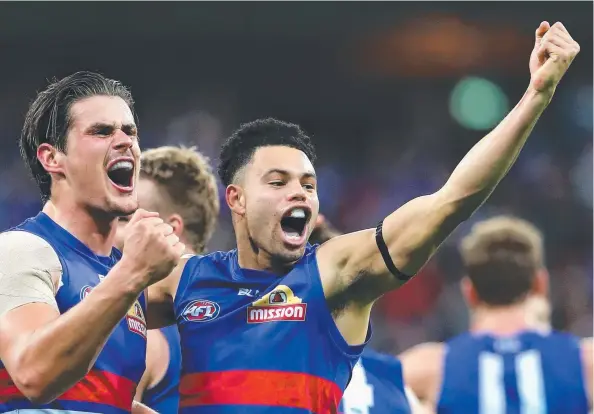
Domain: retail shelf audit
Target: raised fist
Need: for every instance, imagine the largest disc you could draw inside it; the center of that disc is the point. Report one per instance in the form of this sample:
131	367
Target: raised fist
150	246
554	50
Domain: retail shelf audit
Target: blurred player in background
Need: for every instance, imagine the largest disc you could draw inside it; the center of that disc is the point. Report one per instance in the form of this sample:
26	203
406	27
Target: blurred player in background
277	325
510	360
80	142
177	183
376	385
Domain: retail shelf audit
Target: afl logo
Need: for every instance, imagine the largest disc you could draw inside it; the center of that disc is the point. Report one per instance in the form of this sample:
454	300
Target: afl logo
85	291
201	311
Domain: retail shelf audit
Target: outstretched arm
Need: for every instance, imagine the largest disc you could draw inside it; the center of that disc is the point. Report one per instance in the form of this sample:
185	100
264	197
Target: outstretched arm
352	267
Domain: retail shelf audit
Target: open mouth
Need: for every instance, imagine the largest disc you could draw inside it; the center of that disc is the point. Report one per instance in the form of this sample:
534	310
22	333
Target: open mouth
294	223
121	173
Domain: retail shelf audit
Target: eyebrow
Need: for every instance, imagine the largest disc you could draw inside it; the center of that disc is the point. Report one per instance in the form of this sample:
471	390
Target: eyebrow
285	172
98	125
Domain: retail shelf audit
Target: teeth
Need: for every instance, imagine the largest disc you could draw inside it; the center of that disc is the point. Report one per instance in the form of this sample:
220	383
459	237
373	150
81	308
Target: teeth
123	165
298	213
293	235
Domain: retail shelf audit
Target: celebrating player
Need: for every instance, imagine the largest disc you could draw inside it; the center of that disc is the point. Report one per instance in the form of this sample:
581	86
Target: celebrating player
177	183
277	325
72	308
510	361
377	384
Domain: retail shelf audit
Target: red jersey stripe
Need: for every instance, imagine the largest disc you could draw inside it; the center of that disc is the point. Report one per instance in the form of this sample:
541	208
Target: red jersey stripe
100	387
269	388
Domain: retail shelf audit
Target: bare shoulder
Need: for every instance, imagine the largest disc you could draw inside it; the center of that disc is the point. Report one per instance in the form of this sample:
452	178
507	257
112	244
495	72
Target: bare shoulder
423	360
422	368
423	352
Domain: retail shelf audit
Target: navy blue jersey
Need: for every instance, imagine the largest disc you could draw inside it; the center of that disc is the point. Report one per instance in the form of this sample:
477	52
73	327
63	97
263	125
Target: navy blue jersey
110	385
164	396
527	373
376	386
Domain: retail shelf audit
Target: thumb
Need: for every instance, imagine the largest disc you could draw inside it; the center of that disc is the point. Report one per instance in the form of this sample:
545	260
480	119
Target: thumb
540	32
140	214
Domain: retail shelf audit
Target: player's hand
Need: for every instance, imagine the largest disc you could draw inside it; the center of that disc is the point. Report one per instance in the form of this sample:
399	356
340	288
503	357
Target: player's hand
554	50
151	249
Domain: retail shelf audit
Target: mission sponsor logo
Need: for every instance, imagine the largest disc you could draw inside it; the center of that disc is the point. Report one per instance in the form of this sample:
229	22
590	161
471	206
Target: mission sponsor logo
279	305
136	320
134	317
201	310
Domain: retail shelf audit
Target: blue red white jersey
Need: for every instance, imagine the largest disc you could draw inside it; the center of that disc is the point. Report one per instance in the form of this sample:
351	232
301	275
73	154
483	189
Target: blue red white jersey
376	387
256	342
110	386
531	372
164	396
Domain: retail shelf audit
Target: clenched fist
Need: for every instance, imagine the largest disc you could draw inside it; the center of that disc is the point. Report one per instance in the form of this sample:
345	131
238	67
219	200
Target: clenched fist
150	247
554	50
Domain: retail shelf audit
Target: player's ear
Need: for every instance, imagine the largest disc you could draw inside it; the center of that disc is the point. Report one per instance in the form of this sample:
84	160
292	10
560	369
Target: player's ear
540	284
50	158
177	222
469	292
235	197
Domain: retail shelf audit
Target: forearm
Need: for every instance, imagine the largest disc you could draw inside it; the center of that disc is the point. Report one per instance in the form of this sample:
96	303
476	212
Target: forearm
139	408
479	172
55	357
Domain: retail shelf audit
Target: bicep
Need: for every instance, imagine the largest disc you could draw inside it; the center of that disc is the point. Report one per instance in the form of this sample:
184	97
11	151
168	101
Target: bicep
17	325
412	234
30	273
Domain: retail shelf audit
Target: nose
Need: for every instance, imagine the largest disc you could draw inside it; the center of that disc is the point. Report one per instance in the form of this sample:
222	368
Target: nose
296	192
122	141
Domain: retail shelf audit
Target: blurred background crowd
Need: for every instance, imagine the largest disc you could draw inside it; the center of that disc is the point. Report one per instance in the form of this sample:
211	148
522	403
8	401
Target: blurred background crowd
394	94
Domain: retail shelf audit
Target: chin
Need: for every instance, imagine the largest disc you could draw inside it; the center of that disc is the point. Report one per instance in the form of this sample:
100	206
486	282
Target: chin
291	256
121	208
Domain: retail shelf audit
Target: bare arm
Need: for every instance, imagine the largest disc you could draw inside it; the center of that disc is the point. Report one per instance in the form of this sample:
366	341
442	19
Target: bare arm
46	353
161	296
587	361
352	266
422	369
139	408
157	361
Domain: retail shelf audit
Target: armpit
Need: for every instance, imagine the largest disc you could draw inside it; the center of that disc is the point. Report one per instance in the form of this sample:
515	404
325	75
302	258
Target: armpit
30	271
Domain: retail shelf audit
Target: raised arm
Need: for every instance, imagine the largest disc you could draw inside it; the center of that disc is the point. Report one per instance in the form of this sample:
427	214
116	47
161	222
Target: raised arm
45	352
353	268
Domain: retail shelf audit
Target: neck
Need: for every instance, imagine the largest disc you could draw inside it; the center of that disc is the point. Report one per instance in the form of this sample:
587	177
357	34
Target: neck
251	257
503	320
97	233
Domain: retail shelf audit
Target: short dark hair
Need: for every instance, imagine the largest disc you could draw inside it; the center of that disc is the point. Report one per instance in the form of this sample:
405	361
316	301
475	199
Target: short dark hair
501	257
48	118
239	148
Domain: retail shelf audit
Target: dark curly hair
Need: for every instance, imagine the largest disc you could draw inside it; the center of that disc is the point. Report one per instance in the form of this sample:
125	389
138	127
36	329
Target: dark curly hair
239	148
